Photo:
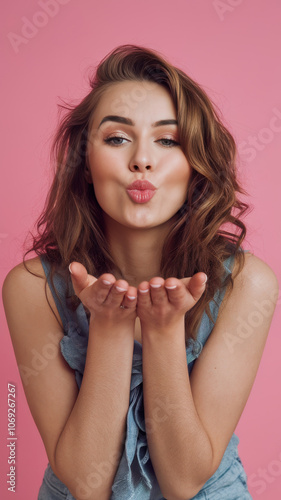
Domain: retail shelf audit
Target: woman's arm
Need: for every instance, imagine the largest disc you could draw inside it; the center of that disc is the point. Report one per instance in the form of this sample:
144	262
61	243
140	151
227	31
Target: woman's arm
200	414
83	432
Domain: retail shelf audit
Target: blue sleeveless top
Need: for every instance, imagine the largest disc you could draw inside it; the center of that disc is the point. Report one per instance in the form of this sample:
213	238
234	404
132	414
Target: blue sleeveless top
135	478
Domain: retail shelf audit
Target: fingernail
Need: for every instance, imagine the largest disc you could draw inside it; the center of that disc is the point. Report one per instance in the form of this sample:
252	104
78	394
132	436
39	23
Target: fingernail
120	289
69	267
171	287
144	291
205	279
131	297
106	282
155	285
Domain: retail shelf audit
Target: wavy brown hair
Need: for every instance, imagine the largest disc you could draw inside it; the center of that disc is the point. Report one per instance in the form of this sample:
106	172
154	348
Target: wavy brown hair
207	228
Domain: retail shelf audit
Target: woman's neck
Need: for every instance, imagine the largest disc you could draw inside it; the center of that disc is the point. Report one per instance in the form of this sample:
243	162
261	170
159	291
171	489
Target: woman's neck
136	252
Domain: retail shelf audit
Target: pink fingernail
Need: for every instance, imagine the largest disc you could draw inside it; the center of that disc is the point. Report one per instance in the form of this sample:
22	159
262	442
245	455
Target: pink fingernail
120	289
69	267
170	287
144	291
153	285
106	282
205	279
131	297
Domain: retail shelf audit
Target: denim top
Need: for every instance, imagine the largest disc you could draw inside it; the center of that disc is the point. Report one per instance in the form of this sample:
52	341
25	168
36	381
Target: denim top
135	477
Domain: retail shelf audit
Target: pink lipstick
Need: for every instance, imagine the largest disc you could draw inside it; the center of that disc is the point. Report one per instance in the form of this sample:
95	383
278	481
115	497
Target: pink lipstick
141	191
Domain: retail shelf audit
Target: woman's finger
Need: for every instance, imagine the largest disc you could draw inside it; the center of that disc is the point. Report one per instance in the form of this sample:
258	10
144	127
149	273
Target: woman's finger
176	290
116	294
130	298
80	278
143	297
196	285
157	290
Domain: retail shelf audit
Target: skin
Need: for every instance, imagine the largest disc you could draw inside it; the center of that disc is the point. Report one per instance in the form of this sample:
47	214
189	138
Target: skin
202	409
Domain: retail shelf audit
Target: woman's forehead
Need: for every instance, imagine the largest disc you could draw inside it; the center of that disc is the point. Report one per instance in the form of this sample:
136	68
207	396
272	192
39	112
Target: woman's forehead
133	99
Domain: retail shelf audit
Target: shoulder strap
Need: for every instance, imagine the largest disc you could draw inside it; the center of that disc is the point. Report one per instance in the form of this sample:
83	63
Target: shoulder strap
206	324
60	292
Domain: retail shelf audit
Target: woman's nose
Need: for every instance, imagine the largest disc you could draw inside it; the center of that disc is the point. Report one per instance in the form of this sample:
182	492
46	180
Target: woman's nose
141	160
139	167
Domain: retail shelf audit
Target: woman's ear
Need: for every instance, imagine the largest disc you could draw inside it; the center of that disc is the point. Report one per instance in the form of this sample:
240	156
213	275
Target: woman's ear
87	175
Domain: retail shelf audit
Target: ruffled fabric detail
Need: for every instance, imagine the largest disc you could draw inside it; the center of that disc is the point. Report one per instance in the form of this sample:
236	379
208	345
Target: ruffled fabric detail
135	475
74	349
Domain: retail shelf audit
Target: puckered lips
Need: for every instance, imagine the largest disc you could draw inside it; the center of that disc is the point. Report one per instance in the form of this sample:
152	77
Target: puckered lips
141	191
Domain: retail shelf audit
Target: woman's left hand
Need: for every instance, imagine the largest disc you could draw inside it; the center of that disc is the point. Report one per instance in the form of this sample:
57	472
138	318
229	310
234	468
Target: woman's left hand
162	304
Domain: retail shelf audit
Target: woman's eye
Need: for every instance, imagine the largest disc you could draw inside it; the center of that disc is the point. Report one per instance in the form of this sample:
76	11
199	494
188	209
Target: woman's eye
115	141
168	142
118	141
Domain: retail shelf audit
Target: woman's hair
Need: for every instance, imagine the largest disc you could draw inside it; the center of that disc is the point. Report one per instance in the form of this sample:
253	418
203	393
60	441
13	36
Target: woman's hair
208	227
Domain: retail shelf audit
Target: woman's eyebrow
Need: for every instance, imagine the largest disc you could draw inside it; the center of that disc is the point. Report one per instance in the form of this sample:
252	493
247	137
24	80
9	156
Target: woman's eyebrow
128	121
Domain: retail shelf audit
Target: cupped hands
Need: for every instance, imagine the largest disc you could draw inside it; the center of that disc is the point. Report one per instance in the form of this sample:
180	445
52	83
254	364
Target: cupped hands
158	303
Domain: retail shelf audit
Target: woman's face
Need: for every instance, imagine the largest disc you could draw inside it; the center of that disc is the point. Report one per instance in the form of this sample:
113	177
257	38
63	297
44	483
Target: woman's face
139	171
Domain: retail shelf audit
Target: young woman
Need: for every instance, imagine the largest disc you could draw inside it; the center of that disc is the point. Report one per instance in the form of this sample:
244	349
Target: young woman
138	363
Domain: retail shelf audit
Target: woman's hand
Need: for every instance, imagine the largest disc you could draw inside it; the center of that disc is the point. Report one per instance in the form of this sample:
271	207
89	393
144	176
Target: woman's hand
162	304
108	300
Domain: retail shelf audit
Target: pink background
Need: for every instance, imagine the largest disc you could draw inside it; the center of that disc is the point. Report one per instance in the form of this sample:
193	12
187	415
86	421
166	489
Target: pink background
234	52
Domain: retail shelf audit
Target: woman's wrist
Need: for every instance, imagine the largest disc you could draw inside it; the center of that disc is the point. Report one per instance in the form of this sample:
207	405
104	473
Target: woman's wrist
108	328
169	331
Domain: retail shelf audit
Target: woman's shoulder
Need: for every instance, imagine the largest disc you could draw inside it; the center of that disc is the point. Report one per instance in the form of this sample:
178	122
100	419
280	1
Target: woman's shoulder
25	271
256	268
24	288
255	277
25	279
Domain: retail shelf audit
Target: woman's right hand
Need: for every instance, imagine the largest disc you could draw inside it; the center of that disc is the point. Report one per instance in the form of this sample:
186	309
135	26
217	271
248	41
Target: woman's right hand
107	299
